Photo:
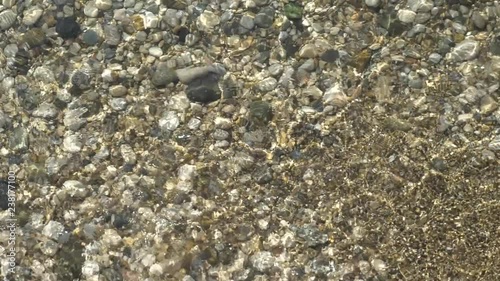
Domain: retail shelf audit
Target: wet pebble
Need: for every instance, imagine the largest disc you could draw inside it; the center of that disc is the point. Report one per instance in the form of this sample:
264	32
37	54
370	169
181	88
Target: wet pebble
164	75
7	19
465	50
265	17
90	37
68	28
103	5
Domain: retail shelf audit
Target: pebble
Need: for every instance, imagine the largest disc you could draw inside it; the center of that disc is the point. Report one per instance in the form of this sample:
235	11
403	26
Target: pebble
53	230
265	17
488	105
247	23
268	84
495	144
68	28
46	110
72	143
479	21
128	154
463	51
32	15
406	16
90	10
435	58
81	80
117	91
155	51
103	5
420	6
372	3
75	189
308	51
112	35
90	37
118	104
169	122
207	21
164	75
7	19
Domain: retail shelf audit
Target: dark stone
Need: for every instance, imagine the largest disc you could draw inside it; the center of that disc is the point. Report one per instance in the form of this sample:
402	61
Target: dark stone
68	28
204	89
182	33
330	56
80	80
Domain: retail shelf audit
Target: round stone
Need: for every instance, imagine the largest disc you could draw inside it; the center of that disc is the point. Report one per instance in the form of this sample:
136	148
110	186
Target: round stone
90	37
155	51
103	4
372	3
68	28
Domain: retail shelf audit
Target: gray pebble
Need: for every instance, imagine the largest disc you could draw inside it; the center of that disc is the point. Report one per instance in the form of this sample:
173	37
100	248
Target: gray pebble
118	104
247	23
164	75
478	20
265	17
7	19
422	6
53	230
112	35
46	110
435	58
18	139
465	50
117	91
406	16
268	84
372	3
90	37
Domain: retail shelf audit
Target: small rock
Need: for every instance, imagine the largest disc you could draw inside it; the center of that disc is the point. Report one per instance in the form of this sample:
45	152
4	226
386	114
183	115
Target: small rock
112	35
488	105
406	16
478	20
90	37
7	19
117	91
68	28
45	110
330	56
75	189
90	10
155	51
372	3
128	154
187	172
164	75
420	6
72	143
495	144
103	5
262	261
81	80
268	84
53	230
265	17
308	51
247	23
18	139
169	122
465	50
32	15
118	104
435	58
208	20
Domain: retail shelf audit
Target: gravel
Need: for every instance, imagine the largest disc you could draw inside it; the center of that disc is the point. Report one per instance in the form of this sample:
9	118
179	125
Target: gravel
250	140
